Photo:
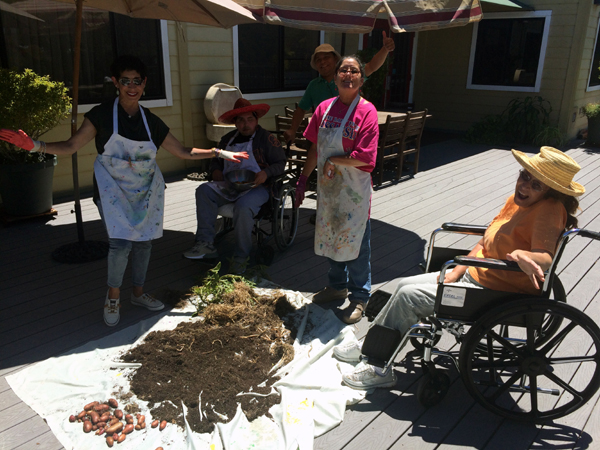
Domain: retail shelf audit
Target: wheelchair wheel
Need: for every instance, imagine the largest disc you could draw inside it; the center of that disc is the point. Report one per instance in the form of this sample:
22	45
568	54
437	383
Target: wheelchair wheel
534	378
419	342
433	387
285	218
549	327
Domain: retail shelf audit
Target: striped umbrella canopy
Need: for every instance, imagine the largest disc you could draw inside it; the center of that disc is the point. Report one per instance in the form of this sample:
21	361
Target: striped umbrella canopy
359	16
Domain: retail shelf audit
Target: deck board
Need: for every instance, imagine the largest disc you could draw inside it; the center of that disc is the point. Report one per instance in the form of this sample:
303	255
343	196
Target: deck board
48	308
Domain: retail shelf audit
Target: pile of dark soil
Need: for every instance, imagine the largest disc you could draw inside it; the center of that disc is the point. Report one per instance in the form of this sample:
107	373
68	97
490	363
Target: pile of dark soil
206	363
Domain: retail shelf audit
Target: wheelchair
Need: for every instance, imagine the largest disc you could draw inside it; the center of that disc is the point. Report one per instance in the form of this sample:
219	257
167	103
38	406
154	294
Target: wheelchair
276	220
527	358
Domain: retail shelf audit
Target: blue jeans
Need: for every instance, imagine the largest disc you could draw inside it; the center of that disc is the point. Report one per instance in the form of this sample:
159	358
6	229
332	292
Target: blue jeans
354	275
244	210
118	256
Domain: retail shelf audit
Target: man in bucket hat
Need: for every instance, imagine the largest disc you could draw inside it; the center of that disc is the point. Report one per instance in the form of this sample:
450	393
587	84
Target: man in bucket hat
266	159
324	60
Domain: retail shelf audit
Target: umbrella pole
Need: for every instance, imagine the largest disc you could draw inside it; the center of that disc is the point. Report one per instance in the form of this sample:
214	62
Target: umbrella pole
80	251
76	60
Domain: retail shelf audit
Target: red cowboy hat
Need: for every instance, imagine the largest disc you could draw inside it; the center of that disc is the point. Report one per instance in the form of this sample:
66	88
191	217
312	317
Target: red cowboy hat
244	106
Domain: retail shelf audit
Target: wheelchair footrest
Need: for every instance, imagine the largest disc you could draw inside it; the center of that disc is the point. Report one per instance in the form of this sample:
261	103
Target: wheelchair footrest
380	344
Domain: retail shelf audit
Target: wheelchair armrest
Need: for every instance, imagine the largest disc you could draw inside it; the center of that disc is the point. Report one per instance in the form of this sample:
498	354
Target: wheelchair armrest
462	228
487	263
589	234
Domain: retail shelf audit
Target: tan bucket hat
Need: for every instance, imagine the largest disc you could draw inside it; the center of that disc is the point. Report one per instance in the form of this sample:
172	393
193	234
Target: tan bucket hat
553	168
323	48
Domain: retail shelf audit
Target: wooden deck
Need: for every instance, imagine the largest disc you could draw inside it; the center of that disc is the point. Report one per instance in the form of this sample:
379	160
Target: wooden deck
47	308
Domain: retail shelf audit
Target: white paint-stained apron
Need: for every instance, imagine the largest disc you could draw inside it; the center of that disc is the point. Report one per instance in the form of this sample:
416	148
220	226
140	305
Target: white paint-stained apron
225	188
131	186
344	201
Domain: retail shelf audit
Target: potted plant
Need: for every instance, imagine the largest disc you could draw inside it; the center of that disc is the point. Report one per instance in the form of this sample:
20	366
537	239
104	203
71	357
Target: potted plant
34	104
592	112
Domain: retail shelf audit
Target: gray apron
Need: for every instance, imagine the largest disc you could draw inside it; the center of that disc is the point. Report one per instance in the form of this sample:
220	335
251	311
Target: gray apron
226	189
131	186
343	202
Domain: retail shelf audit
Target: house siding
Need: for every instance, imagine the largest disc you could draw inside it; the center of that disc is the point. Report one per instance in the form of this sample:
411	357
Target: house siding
443	62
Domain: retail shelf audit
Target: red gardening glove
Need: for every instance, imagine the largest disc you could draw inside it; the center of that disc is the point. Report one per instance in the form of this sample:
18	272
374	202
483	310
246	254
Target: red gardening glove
18	138
300	189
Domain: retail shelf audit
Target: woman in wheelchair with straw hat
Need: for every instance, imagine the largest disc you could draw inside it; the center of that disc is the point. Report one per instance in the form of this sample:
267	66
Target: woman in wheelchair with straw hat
525	231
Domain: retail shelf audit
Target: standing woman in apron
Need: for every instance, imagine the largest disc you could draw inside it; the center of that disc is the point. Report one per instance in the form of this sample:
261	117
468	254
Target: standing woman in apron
344	133
128	185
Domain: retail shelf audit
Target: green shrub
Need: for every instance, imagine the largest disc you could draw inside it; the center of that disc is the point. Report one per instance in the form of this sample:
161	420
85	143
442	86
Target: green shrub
523	120
591	110
32	103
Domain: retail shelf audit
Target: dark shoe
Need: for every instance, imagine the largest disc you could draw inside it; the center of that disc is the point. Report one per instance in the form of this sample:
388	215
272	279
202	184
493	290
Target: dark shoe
329	294
353	312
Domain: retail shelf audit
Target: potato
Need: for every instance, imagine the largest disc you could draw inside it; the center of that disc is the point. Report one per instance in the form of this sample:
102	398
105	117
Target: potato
113	403
121	438
72	418
105	417
129	418
141	418
162	426
138	427
159	448
100	431
110	441
143	425
128	428
87	426
101	408
118	414
115	428
115	436
81	415
95	417
154	423
113	421
101	425
90	405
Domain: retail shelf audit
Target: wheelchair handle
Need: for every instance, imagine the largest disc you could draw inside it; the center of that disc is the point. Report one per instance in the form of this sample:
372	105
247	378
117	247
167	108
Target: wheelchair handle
589	234
463	228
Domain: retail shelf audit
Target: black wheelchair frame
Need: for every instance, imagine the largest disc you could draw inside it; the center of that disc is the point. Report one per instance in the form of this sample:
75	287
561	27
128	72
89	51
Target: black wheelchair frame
527	358
279	213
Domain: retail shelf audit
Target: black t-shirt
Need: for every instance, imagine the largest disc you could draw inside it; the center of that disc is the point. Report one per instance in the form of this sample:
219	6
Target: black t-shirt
132	127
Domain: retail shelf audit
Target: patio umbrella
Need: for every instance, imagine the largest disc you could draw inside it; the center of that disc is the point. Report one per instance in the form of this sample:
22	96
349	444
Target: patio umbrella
218	13
359	16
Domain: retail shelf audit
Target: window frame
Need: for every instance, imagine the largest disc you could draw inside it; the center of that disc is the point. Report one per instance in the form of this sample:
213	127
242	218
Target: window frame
547	15
157	103
261	95
596	42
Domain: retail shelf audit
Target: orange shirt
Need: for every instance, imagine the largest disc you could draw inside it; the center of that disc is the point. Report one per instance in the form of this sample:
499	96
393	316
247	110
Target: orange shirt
537	227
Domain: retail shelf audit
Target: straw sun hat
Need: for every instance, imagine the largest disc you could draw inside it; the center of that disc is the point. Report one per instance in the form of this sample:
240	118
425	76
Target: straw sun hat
323	48
553	168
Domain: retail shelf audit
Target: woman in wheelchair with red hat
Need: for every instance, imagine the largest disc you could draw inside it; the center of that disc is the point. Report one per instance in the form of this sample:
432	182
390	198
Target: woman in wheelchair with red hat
525	231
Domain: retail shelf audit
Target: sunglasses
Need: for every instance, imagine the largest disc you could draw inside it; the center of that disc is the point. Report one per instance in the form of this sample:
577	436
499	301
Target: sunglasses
535	184
126	81
353	72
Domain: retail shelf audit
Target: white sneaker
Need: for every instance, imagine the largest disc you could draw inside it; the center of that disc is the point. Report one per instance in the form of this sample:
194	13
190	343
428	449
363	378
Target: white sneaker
147	301
364	377
111	311
348	351
202	250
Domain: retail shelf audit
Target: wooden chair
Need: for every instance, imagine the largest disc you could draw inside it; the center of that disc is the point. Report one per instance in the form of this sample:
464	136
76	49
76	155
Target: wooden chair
411	144
289	112
297	150
388	148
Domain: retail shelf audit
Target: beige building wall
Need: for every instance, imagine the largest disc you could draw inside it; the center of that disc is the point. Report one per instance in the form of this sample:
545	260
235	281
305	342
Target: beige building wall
443	62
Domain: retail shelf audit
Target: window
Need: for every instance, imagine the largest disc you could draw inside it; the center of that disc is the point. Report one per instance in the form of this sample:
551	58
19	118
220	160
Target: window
594	81
40	36
508	51
274	59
